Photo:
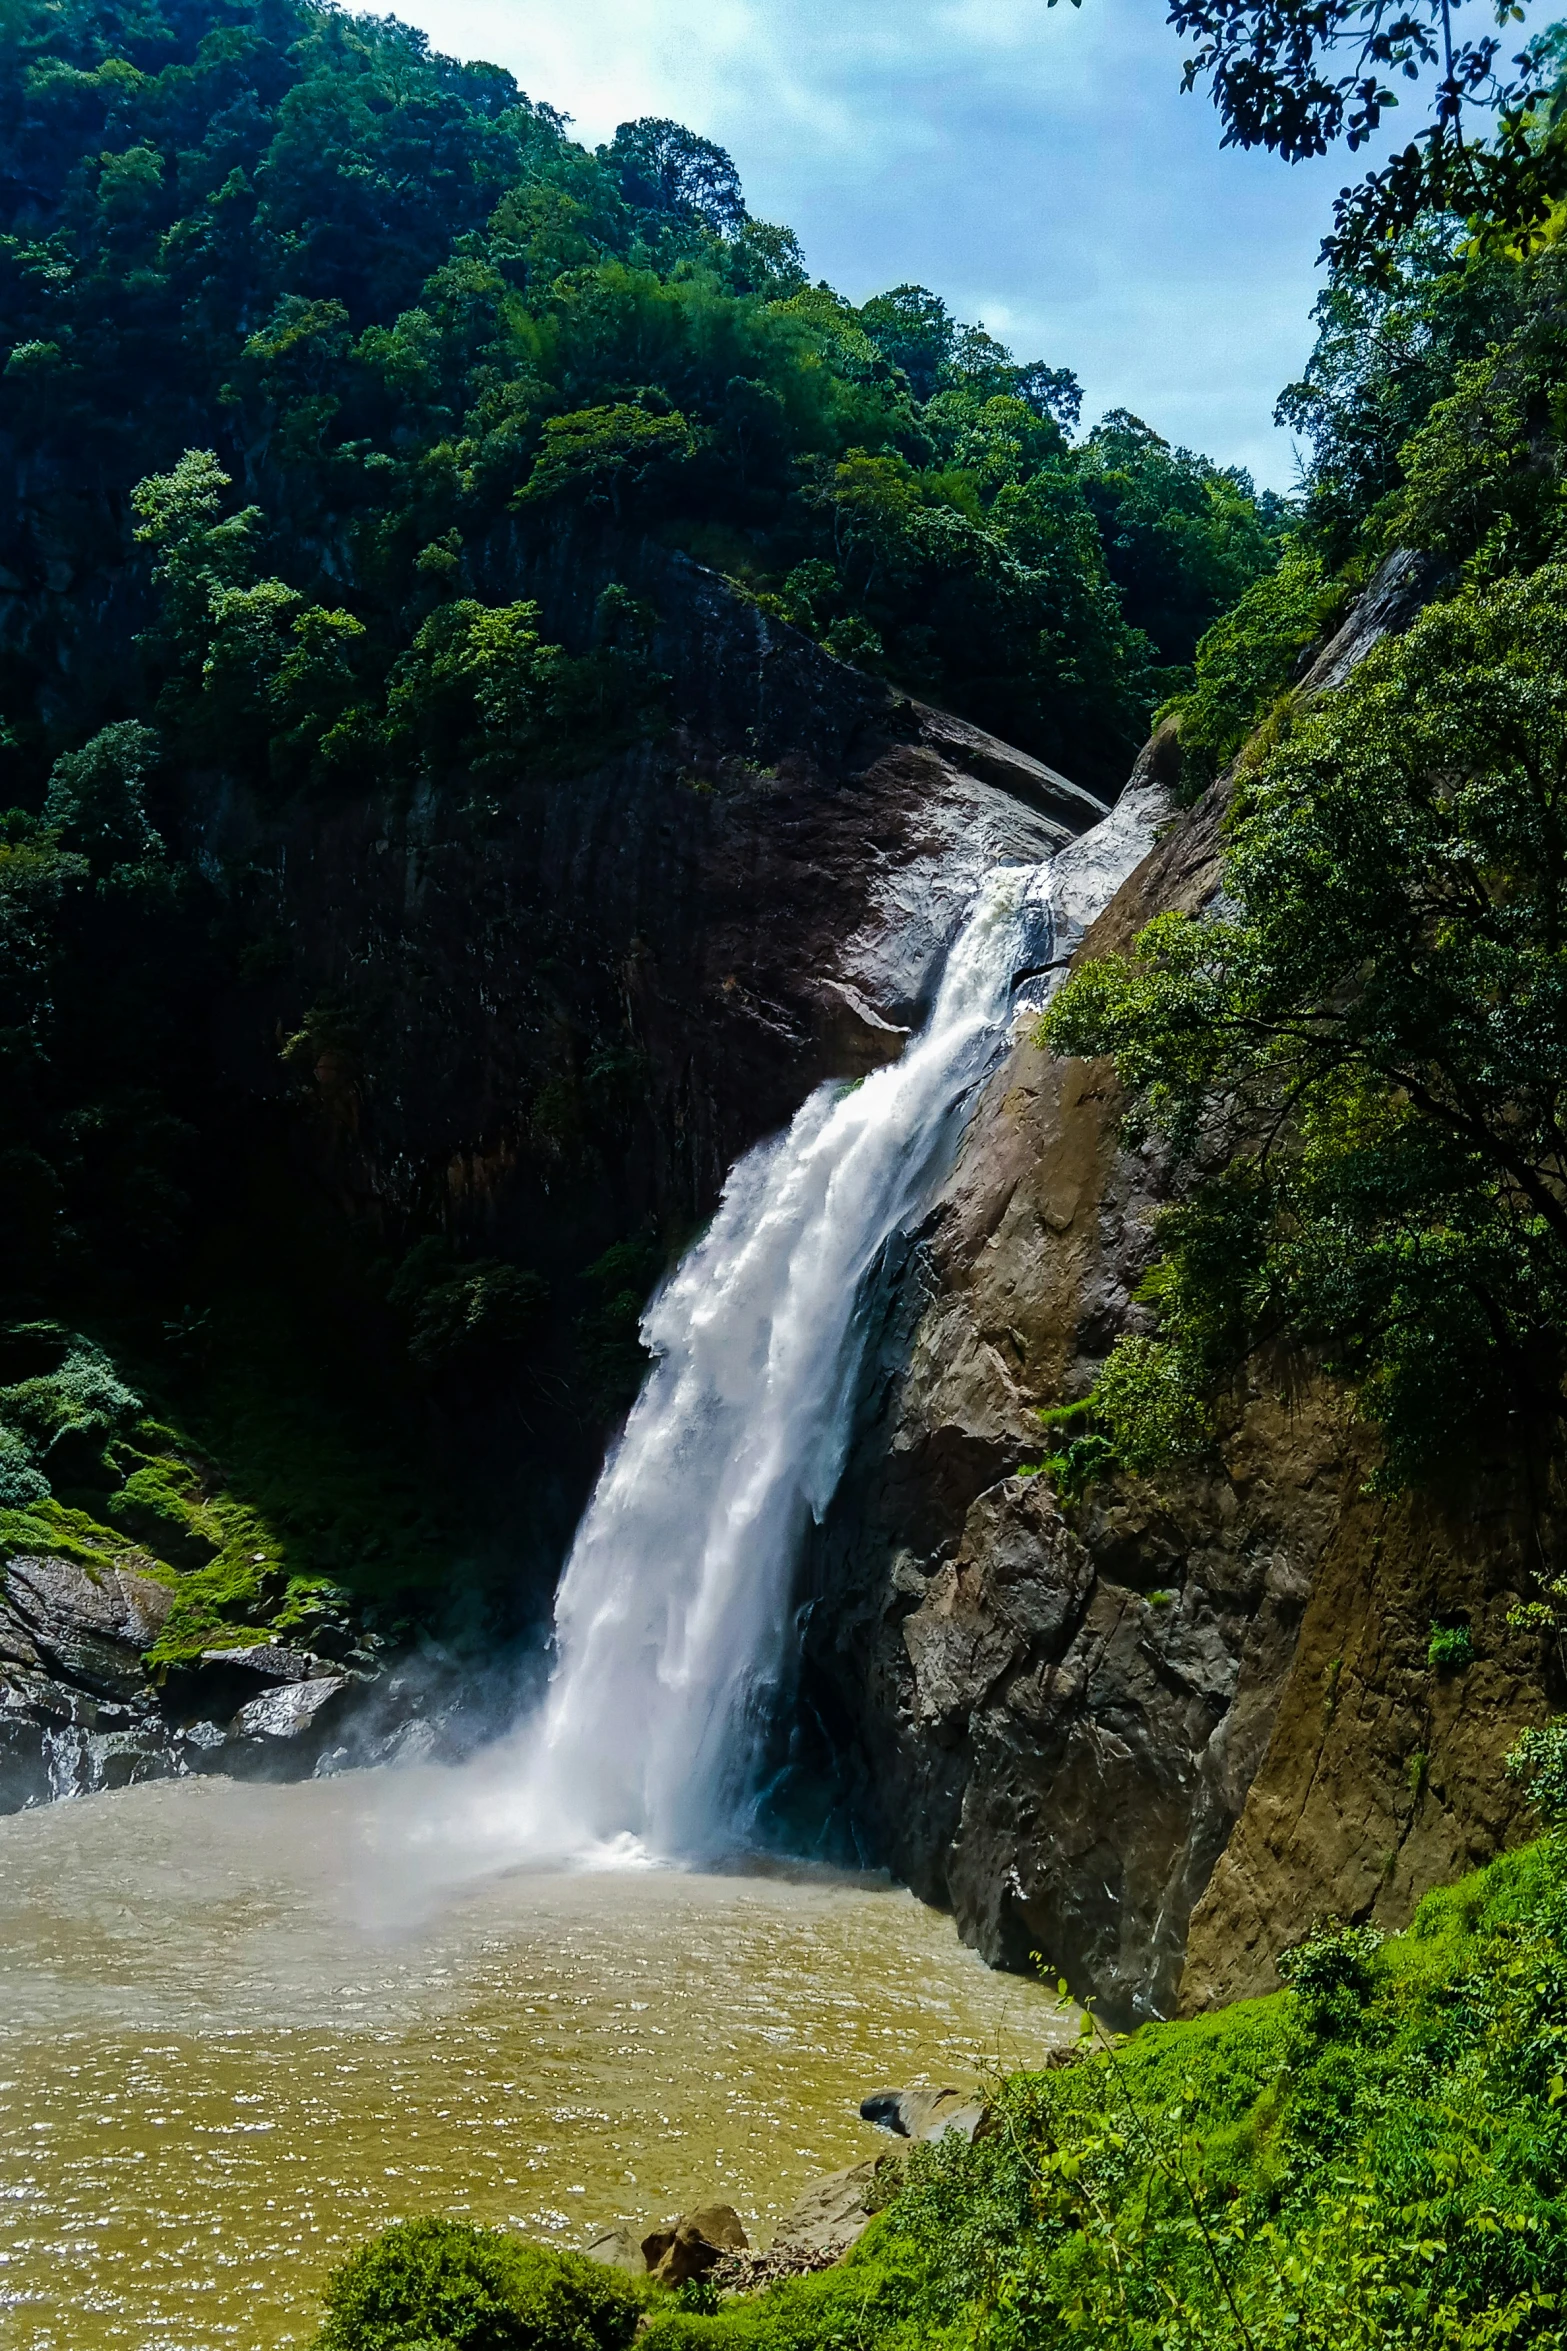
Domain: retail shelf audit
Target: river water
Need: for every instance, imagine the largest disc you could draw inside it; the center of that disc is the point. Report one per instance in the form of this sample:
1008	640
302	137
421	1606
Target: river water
242	2029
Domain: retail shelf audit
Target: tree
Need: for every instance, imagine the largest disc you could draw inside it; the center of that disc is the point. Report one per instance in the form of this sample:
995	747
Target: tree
1182	538
913	328
607	456
96	801
1298	76
664	168
1365	1053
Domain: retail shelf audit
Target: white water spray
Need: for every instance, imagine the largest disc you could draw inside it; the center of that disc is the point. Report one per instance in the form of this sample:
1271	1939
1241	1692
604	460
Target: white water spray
673	1615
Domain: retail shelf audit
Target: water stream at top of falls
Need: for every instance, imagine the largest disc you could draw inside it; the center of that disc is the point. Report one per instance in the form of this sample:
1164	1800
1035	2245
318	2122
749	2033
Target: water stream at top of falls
673	1618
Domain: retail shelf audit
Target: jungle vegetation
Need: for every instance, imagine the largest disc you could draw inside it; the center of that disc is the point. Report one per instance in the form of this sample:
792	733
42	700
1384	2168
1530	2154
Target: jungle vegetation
1355	1058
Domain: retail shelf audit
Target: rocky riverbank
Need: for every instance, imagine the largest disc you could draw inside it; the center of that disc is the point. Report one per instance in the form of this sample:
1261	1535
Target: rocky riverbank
825	2221
82	1711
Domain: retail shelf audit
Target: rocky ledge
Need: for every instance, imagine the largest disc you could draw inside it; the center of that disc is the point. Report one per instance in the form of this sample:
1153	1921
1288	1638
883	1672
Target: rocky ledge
81	1710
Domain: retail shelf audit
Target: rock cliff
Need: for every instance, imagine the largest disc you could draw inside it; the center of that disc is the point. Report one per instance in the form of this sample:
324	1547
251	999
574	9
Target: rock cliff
535	1018
1151	1736
540	1011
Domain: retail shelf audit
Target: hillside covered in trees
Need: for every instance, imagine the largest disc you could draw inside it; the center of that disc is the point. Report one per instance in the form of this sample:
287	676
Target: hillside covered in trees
394	299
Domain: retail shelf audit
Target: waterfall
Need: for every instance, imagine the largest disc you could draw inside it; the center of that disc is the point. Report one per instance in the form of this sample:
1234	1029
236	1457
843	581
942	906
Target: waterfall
673	1617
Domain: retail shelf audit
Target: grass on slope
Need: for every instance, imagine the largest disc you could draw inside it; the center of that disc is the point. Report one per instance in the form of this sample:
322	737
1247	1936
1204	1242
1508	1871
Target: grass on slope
268	1493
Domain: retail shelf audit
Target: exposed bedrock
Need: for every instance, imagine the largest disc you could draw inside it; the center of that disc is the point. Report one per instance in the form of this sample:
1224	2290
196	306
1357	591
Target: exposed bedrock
540	1013
564	1002
80	1710
1153	1737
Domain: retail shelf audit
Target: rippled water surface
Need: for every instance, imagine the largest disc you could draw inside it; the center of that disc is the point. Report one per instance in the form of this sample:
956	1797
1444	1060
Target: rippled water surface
233	2043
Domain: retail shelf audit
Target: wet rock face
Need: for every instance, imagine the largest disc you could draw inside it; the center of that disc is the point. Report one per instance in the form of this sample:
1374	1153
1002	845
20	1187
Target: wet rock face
81	1712
1051	1725
540	1015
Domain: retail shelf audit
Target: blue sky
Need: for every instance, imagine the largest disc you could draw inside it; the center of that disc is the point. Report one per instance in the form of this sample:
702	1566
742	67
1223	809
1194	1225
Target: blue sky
1037	166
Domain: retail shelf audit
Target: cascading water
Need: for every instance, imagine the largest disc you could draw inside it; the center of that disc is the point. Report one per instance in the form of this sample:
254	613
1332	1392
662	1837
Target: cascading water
673	1614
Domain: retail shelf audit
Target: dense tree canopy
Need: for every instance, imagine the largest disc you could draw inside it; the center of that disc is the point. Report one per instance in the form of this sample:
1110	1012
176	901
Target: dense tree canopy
395	301
1357	1053
1372	1042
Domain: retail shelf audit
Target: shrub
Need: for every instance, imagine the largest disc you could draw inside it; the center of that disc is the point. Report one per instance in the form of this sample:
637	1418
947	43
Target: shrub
1540	1761
431	2282
1147	1401
20	1482
1450	1648
1332	1973
1248	659
59	1417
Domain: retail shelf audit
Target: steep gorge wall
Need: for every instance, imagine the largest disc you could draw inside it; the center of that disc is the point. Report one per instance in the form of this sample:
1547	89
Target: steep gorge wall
1153	1736
552	1005
537	1015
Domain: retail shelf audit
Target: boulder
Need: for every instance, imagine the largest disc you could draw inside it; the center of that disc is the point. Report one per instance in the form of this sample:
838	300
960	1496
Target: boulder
281	1722
83	1625
923	2114
80	1712
33	1711
694	2244
617	2248
269	1661
831	2216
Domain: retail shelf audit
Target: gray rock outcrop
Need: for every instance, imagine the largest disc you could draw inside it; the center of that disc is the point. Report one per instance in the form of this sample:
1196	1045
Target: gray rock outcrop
80	1711
831	2216
923	2114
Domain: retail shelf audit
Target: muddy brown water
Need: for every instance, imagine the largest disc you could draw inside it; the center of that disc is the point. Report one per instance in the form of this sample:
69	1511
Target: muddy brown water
227	2056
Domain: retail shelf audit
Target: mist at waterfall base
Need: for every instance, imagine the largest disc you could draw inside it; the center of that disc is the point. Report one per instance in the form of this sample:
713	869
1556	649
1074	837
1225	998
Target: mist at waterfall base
674	1620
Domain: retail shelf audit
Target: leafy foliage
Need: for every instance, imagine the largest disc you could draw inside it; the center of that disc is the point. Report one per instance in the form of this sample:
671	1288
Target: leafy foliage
1247	661
1451	1647
1299	75
1372	2156
1181	536
1367	1043
445	2282
1540	1761
1483	472
393	297
1385	353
